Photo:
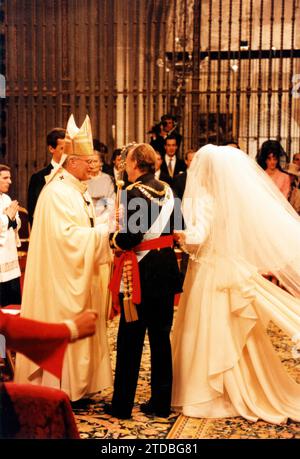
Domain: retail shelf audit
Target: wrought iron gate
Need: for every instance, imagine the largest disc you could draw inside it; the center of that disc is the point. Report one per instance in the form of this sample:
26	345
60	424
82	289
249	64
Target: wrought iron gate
226	69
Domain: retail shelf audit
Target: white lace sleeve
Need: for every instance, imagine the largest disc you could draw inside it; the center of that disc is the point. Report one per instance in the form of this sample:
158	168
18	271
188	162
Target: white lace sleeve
3	222
3	229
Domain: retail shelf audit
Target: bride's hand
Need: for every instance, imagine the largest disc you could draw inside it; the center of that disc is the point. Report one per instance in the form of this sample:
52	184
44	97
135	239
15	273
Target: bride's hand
179	237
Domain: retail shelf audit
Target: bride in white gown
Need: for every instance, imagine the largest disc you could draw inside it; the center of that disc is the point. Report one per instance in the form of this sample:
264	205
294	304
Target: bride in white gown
239	226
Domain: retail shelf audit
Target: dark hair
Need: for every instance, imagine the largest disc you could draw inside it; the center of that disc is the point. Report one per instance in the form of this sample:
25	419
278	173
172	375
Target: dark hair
168	116
4	167
231	142
171	137
268	147
54	135
144	155
155	129
99	146
116	152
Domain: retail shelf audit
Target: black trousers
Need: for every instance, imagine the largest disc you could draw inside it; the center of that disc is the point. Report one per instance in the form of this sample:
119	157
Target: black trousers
155	316
10	292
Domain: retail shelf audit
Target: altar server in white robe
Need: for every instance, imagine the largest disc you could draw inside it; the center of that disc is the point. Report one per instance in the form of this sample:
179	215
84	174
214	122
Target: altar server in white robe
10	291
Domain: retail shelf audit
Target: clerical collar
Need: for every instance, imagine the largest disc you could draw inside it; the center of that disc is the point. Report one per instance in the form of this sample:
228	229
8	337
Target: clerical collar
53	163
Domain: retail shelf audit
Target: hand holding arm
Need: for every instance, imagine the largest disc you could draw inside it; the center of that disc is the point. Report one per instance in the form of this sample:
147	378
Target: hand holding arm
83	325
180	237
116	218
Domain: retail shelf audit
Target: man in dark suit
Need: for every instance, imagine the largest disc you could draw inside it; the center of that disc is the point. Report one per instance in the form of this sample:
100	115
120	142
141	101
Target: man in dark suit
152	294
172	165
55	144
159	175
165	129
180	179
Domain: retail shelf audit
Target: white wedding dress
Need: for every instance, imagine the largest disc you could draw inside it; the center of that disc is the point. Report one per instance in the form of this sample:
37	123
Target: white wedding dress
224	363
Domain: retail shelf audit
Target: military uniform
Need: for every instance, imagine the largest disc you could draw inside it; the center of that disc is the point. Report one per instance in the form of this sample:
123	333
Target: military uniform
160	279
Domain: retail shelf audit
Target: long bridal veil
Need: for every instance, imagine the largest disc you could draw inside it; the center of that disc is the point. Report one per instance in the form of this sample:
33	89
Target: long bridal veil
224	363
253	222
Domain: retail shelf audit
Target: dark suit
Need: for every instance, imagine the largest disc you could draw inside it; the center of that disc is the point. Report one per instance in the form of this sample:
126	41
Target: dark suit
106	168
160	280
159	142
164	177
179	184
180	166
36	185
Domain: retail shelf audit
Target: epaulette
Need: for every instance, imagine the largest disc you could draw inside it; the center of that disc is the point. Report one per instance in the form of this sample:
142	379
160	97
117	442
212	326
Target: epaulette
133	185
112	242
147	190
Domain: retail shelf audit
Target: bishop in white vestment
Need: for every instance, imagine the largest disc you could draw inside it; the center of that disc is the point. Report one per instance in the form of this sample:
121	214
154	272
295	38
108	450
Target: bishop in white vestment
63	272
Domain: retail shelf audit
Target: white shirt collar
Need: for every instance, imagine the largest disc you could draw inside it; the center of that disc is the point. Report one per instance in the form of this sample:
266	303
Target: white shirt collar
173	158
53	163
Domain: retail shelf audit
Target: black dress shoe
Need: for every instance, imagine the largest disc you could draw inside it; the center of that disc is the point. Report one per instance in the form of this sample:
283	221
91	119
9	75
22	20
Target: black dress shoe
149	409
112	411
82	403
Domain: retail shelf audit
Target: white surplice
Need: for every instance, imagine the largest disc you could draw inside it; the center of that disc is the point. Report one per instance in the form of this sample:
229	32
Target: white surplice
9	240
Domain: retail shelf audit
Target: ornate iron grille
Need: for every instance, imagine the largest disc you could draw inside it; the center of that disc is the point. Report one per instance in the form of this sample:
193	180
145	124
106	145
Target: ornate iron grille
226	69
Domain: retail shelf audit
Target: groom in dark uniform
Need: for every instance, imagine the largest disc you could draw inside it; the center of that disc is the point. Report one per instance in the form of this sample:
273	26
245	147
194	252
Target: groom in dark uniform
150	279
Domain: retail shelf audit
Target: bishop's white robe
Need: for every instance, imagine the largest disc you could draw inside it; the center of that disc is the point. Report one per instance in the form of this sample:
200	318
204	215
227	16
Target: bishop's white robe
63	279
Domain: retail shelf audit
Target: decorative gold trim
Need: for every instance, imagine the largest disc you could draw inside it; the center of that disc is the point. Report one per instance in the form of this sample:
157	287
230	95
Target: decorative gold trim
5	267
113	240
160	201
133	185
153	190
129	307
140	185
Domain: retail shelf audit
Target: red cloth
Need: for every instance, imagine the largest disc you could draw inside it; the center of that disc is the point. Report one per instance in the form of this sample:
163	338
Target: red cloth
43	343
29	411
117	276
22	263
176	299
152	244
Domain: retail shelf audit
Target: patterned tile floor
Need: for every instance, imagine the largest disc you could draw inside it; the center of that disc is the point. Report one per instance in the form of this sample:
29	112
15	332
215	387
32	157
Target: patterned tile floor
94	423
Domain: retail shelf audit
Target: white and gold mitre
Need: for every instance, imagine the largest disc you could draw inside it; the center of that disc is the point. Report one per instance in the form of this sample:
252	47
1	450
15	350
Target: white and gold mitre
79	142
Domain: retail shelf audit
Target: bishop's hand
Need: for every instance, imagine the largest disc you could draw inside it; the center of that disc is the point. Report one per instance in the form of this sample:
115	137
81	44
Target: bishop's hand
116	219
